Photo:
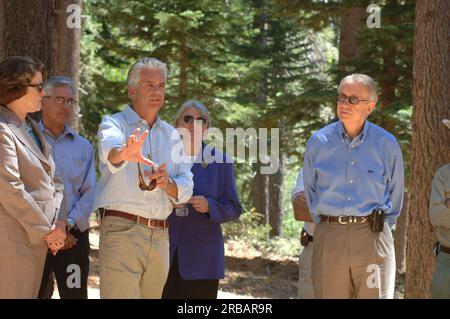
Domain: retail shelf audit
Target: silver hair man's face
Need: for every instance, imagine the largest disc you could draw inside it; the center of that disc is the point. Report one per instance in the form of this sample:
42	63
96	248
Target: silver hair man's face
352	114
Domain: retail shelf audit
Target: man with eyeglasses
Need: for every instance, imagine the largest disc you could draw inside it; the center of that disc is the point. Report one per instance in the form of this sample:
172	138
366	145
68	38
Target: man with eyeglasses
353	178
74	159
134	239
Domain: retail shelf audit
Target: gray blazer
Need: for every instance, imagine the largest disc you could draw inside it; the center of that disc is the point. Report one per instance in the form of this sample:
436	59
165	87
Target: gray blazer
30	195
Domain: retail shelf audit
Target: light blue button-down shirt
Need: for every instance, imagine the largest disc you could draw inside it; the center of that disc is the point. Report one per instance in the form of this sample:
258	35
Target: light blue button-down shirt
353	177
118	187
74	161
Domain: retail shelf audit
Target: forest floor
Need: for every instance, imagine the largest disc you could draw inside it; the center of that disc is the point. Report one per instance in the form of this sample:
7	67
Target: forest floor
248	273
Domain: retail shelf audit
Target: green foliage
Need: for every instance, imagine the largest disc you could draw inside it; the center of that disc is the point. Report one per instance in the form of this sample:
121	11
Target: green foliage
253	63
249	230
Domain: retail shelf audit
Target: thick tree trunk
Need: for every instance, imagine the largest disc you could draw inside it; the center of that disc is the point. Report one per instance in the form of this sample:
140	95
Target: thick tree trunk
352	20
68	51
430	147
276	211
28	28
38	28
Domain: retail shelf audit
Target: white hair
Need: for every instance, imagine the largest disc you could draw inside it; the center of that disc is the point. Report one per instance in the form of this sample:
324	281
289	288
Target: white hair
363	80
134	74
196	105
59	81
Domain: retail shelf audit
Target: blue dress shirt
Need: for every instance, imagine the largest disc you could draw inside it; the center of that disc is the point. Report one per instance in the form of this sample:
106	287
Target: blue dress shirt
353	177
74	161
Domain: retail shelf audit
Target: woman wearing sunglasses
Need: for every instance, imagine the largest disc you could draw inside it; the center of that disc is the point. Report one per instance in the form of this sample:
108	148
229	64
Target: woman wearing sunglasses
29	194
196	240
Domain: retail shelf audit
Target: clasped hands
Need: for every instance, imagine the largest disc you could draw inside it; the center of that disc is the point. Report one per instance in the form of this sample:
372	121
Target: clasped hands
58	238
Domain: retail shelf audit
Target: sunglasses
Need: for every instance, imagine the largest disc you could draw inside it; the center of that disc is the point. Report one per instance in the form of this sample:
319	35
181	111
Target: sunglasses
38	87
189	119
353	100
142	185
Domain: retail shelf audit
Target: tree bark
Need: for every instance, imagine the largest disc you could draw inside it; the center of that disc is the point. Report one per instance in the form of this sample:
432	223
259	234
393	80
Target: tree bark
430	147
276	211
183	71
258	193
68	52
28	28
351	23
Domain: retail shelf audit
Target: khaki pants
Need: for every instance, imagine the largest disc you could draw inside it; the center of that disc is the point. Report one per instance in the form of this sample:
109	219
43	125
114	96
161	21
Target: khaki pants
440	284
305	286
20	276
351	261
134	259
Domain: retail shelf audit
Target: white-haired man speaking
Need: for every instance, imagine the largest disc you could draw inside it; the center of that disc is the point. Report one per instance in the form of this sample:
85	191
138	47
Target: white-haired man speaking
134	242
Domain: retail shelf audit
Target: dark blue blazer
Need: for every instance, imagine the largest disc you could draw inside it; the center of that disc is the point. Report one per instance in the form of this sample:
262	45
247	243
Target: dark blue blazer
198	238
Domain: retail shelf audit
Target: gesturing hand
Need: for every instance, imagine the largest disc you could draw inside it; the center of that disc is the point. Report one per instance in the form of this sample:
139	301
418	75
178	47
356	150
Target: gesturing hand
132	151
160	175
199	203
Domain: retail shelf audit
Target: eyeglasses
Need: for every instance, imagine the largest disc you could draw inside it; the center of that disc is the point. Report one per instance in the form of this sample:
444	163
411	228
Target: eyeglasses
353	100
38	87
142	185
188	119
62	100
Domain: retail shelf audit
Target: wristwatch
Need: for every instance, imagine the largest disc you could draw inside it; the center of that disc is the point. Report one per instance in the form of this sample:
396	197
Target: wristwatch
70	223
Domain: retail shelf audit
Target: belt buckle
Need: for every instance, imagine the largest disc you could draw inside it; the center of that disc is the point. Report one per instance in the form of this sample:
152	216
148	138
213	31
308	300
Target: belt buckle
149	224
340	220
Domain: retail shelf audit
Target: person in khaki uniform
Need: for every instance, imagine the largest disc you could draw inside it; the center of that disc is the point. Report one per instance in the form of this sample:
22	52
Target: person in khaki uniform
440	218
30	195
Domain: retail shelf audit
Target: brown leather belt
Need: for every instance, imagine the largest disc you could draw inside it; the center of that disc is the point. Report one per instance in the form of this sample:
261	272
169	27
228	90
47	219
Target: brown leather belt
344	220
151	223
444	249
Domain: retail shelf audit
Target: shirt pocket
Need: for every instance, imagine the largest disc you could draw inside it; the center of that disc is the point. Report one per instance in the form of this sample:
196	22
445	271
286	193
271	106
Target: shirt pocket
374	182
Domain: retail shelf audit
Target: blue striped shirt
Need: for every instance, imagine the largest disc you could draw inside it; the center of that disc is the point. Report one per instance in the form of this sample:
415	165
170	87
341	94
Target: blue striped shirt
353	177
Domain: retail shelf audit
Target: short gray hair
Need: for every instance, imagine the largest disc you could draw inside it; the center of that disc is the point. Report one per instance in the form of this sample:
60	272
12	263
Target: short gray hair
59	81
196	105
363	80
134	74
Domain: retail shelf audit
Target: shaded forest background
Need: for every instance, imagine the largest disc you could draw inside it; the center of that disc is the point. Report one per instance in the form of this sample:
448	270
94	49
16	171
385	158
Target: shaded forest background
264	64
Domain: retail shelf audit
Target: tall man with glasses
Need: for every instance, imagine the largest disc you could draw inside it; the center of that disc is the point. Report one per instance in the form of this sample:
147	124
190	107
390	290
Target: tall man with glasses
74	159
134	241
353	178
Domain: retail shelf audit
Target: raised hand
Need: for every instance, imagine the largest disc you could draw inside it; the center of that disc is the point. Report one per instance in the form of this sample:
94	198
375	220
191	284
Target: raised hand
132	151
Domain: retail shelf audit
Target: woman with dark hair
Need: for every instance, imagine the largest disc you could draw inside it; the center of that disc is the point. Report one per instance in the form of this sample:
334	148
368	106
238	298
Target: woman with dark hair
30	195
196	241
